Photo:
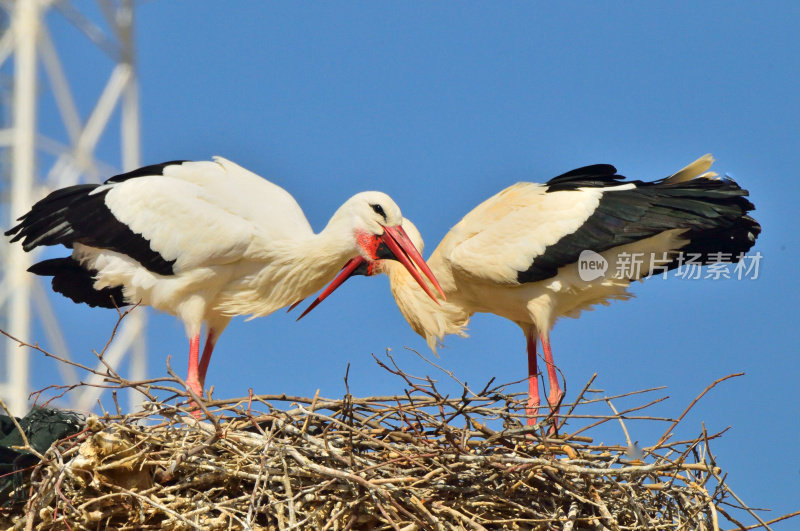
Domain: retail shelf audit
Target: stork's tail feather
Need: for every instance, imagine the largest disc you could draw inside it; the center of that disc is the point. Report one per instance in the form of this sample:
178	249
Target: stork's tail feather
73	281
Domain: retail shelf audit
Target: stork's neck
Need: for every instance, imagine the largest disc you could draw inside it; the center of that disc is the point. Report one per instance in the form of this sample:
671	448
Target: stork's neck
280	273
430	320
312	262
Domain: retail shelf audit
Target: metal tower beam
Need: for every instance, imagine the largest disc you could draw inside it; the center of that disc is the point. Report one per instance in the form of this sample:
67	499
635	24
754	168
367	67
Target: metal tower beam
25	25
28	43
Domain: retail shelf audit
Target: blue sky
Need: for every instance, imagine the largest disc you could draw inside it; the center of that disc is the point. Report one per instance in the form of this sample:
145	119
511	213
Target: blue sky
442	105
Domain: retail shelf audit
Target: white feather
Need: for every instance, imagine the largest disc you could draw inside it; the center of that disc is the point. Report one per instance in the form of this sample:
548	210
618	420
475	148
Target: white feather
241	244
502	235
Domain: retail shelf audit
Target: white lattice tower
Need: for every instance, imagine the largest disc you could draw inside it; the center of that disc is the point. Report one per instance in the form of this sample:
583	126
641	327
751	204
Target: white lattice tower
33	163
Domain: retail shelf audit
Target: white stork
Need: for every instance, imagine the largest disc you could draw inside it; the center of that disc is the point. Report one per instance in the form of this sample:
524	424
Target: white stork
517	254
203	241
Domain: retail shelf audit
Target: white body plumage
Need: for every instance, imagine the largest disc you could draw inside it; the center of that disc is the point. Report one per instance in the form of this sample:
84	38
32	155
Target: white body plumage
204	241
517	253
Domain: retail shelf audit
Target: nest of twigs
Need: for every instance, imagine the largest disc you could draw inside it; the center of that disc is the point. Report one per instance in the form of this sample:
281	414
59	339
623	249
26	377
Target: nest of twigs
418	460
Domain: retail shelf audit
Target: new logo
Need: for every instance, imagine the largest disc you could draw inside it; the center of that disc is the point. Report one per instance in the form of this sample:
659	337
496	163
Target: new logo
591	266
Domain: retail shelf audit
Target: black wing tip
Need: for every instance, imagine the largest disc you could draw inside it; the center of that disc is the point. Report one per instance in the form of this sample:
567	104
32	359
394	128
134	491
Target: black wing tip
592	176
77	283
734	240
14	231
76	215
145	171
47	268
591	169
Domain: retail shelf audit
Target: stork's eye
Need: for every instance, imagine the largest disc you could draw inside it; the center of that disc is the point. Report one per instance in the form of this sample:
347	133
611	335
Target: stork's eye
379	210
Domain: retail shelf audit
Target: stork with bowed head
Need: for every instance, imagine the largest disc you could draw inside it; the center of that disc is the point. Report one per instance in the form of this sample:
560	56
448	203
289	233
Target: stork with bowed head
205	241
517	254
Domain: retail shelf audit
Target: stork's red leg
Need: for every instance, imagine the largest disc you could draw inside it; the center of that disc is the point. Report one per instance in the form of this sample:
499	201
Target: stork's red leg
192	379
532	410
555	389
208	349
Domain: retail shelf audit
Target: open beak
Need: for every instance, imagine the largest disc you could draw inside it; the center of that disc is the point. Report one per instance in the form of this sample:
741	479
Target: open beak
401	249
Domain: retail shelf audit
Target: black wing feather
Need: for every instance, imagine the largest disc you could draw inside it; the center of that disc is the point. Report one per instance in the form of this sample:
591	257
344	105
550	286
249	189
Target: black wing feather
596	175
713	212
73	281
145	171
79	214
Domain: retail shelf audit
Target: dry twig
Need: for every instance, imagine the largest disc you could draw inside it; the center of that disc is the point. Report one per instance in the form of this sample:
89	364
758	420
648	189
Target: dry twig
415	460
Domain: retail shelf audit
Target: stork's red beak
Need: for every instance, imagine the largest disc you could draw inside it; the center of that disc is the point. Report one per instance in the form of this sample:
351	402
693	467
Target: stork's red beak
404	252
394	244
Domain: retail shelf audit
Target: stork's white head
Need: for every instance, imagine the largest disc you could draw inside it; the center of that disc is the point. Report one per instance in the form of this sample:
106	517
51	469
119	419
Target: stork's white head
376	224
368	214
374	207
